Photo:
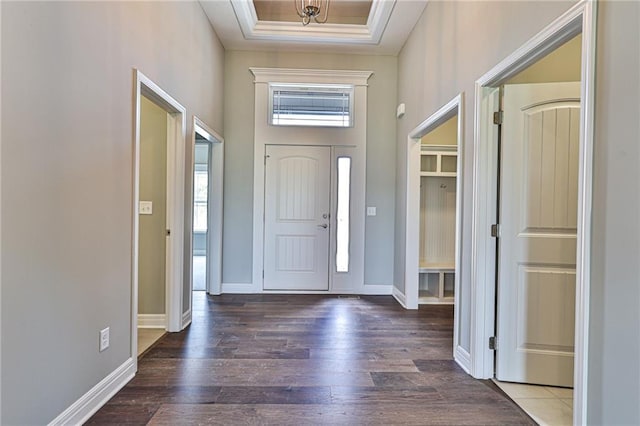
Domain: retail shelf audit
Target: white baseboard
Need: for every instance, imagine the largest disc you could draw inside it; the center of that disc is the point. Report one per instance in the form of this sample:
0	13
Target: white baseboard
186	319
239	288
463	358
152	321
377	290
81	410
248	288
400	297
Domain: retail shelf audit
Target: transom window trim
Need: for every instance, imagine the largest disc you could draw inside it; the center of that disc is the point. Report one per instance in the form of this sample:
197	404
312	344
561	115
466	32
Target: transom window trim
305	76
311	105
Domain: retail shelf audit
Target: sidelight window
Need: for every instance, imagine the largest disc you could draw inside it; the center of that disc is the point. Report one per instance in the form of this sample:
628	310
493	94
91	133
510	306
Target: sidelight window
342	228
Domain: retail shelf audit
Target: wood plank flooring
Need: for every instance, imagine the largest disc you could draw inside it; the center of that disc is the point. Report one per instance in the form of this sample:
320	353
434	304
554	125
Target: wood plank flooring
299	359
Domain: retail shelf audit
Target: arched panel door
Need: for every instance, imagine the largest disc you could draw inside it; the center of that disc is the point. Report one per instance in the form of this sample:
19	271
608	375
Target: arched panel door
537	244
297	203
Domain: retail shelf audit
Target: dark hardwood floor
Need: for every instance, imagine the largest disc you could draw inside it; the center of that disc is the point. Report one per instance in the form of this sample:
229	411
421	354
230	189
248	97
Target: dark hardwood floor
294	359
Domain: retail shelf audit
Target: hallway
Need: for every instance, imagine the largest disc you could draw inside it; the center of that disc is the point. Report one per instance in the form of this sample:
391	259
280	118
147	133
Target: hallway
288	359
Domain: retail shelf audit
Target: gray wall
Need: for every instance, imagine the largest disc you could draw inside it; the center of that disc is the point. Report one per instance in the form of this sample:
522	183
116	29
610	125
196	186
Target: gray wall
614	350
153	187
67	193
455	43
239	136
452	45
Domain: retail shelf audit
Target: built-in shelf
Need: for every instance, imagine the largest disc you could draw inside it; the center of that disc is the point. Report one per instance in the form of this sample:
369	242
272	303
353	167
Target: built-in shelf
438	170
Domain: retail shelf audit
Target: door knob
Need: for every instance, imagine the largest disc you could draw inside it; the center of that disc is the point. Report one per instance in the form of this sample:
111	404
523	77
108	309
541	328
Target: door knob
324	225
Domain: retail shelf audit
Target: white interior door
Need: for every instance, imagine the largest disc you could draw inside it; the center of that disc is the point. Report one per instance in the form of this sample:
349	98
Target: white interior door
537	245
296	237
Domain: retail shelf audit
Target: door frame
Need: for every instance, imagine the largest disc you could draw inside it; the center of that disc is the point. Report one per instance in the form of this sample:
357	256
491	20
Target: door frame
176	137
412	239
215	206
581	18
346	141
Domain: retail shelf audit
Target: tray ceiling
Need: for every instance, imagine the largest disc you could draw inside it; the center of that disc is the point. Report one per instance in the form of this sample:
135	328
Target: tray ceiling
354	26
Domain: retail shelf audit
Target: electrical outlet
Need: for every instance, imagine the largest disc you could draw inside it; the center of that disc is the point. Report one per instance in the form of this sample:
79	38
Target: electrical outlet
145	207
104	339
371	211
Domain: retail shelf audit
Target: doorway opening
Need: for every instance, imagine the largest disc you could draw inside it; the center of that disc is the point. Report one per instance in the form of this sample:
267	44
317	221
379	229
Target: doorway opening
208	165
152	252
158	211
434	215
531	232
201	170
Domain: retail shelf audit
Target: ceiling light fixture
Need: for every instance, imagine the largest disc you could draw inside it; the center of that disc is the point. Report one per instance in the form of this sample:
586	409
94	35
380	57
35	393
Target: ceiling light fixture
312	9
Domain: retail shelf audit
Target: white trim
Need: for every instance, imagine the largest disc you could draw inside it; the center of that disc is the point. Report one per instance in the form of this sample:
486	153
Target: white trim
483	250
377	290
247	288
585	203
462	358
0	227
81	410
382	291
215	207
352	139
397	294
453	107
580	18
175	218
176	134
186	318
310	76
152	321
238	288
371	33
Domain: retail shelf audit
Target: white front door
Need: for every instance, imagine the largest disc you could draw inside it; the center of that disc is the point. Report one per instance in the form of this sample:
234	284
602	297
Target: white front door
296	236
537	244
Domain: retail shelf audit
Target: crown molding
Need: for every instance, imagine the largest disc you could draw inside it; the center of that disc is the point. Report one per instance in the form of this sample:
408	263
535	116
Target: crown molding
371	33
291	75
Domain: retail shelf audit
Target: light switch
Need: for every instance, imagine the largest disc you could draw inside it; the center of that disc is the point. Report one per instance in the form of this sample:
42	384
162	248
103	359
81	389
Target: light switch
371	211
146	207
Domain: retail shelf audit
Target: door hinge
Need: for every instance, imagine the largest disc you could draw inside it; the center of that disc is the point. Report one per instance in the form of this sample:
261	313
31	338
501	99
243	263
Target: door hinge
493	343
497	117
495	230
265	159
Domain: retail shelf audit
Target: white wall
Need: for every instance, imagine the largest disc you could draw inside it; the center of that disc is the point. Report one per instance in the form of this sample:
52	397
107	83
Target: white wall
67	97
239	139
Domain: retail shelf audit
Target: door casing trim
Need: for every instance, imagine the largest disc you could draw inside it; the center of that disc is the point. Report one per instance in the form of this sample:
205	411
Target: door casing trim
454	107
581	18
348	141
176	137
215	205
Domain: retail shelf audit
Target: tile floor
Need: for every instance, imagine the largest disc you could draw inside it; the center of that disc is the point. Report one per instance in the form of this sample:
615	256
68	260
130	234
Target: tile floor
147	337
546	405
